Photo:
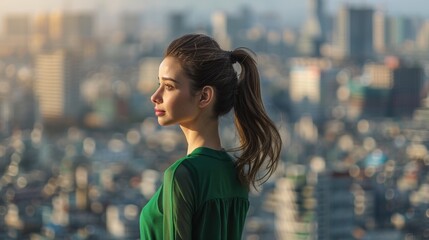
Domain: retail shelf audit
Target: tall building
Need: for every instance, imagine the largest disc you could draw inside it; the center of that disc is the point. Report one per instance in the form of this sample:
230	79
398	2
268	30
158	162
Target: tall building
399	31
312	85
69	27
378	80
305	89
219	22
314	30
422	38
379	32
131	26
25	33
295	213
17	25
40	32
17	105
177	24
59	29
354	33
57	86
16	32
375	102
335	206
406	93
5	107
239	23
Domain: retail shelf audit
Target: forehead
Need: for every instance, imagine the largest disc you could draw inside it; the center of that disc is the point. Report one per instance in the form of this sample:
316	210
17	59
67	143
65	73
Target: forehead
170	68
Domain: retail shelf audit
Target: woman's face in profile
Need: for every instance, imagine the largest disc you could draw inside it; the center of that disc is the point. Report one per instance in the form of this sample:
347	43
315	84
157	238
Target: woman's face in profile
174	103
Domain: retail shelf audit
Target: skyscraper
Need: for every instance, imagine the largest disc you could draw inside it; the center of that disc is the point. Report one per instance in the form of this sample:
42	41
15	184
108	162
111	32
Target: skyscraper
400	31
177	24
354	33
378	82
17	25
312	87
57	86
295	214
68	27
16	29
313	34
335	203
422	38
406	93
379	32
131	26
5	107
219	22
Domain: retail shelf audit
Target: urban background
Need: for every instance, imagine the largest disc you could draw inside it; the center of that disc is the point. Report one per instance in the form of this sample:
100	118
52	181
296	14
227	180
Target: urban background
81	151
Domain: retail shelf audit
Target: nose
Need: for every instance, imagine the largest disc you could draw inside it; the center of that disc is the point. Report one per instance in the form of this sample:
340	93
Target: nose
156	96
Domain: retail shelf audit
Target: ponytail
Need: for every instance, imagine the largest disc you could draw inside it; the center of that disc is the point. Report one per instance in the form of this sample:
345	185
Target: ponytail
260	141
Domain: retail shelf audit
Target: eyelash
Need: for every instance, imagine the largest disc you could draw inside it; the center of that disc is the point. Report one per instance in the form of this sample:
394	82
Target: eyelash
168	87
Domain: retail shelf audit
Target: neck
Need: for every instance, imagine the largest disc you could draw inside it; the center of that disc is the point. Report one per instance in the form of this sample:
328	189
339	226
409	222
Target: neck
203	135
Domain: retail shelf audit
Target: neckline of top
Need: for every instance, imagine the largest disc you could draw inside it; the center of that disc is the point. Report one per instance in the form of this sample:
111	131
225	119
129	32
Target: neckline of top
209	151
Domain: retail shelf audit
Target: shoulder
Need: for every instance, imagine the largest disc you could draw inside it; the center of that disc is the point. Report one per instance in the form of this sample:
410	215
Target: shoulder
181	169
178	179
188	165
172	169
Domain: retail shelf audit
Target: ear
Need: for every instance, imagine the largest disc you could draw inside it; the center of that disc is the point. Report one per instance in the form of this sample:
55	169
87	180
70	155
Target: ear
206	96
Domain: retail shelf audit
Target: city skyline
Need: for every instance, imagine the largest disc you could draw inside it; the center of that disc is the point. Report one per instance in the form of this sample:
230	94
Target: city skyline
292	12
81	151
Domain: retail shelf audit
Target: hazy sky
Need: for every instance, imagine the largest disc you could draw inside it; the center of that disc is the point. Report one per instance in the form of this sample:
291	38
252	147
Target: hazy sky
292	11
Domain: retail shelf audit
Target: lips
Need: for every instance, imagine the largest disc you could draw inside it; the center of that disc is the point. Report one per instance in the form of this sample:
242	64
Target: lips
159	112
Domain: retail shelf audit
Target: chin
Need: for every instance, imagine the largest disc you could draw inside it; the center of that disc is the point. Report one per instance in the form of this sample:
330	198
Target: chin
164	123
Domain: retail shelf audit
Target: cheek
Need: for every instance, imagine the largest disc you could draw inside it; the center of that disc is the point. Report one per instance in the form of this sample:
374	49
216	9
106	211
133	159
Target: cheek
183	105
173	103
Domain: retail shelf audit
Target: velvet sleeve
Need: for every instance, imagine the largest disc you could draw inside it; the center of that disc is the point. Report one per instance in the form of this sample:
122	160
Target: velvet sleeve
178	203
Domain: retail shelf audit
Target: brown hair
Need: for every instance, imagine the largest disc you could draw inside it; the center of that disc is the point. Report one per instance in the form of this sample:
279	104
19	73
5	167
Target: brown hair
206	64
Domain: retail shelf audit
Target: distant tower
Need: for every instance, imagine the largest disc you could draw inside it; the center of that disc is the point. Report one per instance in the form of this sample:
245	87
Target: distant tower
16	30
312	87
378	80
335	206
17	25
57	87
406	93
305	89
177	25
295	212
379	32
422	38
131	26
71	30
5	107
354	33
220	29
313	34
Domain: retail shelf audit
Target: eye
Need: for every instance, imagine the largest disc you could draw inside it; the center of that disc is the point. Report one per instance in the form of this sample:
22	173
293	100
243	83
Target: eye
169	87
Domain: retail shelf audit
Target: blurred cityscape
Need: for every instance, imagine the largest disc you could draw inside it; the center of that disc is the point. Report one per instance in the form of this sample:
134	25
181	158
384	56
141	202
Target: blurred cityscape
81	151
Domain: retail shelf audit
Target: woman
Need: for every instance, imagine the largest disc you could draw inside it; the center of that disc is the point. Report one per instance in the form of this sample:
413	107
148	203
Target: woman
204	195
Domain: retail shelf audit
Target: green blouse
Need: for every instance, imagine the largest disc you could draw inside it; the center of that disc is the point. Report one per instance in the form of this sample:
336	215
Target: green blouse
200	198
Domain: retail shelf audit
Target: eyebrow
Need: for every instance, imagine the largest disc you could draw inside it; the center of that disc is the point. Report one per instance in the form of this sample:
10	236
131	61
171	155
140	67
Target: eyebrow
169	79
